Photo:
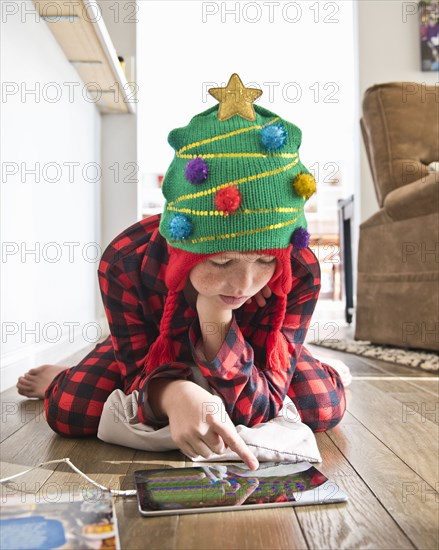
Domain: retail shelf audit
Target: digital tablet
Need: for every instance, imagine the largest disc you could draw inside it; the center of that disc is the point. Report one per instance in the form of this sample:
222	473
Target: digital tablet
223	487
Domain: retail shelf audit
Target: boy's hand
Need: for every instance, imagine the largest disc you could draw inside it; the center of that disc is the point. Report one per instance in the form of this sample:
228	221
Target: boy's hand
199	423
261	296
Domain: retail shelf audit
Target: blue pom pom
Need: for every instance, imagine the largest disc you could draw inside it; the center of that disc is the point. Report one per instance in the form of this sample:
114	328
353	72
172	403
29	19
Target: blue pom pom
180	227
273	137
300	238
196	170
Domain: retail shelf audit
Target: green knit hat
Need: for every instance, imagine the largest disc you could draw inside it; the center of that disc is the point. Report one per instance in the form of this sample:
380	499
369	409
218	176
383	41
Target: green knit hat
236	184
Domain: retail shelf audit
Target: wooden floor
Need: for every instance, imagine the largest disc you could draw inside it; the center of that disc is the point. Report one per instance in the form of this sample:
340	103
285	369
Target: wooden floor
384	455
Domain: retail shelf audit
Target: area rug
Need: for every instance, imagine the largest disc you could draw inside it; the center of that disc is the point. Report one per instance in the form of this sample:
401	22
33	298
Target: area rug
406	357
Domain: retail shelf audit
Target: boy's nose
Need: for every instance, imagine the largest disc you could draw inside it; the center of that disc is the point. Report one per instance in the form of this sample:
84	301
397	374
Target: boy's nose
242	283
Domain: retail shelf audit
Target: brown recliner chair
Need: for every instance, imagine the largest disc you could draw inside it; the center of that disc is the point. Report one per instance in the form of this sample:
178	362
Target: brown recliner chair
398	257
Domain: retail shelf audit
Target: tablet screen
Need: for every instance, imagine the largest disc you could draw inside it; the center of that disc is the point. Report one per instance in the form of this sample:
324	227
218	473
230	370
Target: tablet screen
217	486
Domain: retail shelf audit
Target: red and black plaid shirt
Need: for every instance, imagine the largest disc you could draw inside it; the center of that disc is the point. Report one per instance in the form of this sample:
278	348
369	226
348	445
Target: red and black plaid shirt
131	278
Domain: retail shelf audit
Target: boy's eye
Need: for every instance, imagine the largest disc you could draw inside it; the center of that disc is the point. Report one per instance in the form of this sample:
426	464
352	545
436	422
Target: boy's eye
229	262
224	264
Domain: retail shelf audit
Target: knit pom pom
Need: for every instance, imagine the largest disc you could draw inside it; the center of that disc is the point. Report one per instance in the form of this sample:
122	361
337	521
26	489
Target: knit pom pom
180	227
300	238
196	170
278	349
273	137
162	350
228	199
304	185
160	353
278	355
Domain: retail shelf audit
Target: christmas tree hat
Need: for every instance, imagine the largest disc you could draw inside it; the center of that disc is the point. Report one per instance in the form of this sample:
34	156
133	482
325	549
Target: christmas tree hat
236	183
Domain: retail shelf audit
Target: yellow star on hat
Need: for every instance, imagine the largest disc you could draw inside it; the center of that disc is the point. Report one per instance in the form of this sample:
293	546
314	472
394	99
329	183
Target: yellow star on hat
235	99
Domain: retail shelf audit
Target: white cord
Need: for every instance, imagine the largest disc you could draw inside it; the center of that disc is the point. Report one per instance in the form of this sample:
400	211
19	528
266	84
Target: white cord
127	493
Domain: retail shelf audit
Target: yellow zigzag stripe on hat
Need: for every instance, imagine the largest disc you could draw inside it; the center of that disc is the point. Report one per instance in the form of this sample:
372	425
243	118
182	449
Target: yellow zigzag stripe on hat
229	187
221	213
242	233
224	136
235	182
237	155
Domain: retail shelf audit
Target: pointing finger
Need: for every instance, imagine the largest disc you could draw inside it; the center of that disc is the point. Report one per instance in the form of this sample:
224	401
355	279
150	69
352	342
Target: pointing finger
237	444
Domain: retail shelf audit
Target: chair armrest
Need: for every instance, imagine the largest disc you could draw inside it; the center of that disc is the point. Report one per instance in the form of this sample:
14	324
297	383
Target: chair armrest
415	199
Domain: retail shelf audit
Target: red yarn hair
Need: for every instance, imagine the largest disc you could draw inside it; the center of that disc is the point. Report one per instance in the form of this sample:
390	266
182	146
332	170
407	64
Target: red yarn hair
180	263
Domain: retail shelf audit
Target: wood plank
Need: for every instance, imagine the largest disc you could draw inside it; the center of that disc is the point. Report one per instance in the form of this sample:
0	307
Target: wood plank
361	365
356	363
352	524
414	400
251	529
75	35
34	443
162	532
136	531
278	528
78	37
108	466
378	514
428	386
415	382
404	494
16	411
396	369
104	463
386	418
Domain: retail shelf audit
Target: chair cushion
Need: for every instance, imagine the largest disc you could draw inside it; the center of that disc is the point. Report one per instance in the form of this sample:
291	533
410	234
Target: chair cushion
415	199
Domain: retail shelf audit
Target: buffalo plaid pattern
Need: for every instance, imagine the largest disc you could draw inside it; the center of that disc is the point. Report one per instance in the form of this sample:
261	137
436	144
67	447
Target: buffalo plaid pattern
131	278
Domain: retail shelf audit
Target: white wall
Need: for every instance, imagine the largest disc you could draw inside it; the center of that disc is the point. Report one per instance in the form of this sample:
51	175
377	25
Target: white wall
57	298
119	133
388	51
299	53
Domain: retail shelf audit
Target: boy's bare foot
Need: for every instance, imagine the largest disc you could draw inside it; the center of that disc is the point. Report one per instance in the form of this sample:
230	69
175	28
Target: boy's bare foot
339	366
35	382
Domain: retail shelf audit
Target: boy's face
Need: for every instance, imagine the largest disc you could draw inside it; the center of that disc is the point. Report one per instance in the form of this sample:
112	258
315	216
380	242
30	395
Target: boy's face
231	278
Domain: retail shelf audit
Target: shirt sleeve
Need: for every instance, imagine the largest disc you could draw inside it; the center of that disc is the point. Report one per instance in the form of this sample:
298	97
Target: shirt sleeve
251	393
132	335
171	371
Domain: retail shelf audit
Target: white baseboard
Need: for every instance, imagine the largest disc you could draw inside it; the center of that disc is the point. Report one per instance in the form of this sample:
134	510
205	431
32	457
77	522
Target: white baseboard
16	363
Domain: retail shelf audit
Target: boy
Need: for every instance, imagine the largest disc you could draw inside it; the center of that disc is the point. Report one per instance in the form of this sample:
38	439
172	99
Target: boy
223	279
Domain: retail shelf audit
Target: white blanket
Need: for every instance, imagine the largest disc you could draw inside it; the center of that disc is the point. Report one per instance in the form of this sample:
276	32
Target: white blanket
282	439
